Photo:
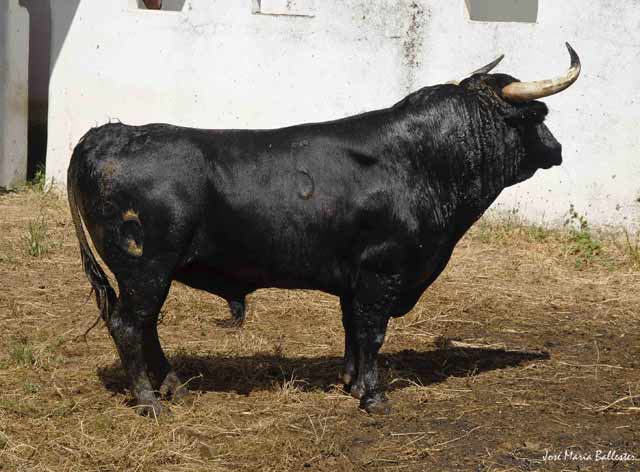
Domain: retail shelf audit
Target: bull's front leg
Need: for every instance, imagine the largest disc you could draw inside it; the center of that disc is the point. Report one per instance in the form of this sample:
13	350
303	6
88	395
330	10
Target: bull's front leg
371	308
370	326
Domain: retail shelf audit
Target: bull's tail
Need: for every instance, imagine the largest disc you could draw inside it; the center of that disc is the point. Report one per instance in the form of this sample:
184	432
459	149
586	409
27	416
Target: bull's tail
105	295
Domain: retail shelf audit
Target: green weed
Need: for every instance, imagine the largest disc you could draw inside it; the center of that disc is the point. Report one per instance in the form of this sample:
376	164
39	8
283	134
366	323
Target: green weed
22	354
39	182
44	356
30	388
505	226
536	233
37	237
582	243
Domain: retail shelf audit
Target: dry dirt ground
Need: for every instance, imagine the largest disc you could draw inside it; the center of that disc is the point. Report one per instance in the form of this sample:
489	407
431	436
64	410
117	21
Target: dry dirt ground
526	348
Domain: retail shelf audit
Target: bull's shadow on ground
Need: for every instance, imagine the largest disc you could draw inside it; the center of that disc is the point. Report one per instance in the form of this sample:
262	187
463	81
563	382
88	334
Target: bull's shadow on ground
244	374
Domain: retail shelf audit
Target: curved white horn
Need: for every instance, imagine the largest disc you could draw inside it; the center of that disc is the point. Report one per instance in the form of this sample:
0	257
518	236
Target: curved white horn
519	92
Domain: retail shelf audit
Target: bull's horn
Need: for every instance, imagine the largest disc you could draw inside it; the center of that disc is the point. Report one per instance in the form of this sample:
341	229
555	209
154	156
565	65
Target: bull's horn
483	70
518	92
489	67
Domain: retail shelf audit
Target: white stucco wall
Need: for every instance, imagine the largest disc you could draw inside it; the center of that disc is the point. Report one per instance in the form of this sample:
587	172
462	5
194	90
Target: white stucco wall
216	65
14	50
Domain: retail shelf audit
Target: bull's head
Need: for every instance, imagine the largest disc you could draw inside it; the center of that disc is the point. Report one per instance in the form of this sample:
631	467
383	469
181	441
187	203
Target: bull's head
523	115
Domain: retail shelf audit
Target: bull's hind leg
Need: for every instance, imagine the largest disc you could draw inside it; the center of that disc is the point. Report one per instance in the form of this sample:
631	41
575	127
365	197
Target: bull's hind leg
350	372
237	309
162	374
133	327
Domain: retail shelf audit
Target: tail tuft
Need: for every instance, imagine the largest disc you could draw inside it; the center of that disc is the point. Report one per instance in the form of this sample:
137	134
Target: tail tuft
105	295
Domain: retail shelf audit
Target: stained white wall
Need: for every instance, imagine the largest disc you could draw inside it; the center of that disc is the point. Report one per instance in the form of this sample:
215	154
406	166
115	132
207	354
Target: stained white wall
216	65
14	50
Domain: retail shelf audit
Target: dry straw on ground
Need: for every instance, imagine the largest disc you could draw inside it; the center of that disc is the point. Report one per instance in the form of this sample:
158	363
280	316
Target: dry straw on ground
529	343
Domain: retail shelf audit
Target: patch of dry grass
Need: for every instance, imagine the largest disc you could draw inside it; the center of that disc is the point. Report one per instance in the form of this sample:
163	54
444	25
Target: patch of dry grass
515	350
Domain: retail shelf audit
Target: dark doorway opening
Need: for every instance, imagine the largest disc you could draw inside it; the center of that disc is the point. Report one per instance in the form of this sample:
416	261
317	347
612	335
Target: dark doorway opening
39	72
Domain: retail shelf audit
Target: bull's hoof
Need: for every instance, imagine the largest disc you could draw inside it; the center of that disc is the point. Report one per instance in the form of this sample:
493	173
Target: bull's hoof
347	379
357	391
172	387
152	409
376	404
147	404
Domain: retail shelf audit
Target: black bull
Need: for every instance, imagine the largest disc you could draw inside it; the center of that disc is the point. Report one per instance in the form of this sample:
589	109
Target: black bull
368	208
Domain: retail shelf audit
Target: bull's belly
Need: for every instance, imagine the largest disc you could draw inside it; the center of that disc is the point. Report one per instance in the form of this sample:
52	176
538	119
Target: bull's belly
241	248
226	275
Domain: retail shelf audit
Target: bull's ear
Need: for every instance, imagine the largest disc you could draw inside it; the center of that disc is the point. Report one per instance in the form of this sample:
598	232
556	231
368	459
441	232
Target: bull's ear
527	113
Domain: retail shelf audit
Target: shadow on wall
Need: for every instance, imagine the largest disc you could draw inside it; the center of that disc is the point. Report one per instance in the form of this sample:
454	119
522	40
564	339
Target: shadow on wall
43	54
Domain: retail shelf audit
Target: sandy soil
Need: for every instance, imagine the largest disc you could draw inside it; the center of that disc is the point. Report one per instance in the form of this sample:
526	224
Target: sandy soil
523	356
